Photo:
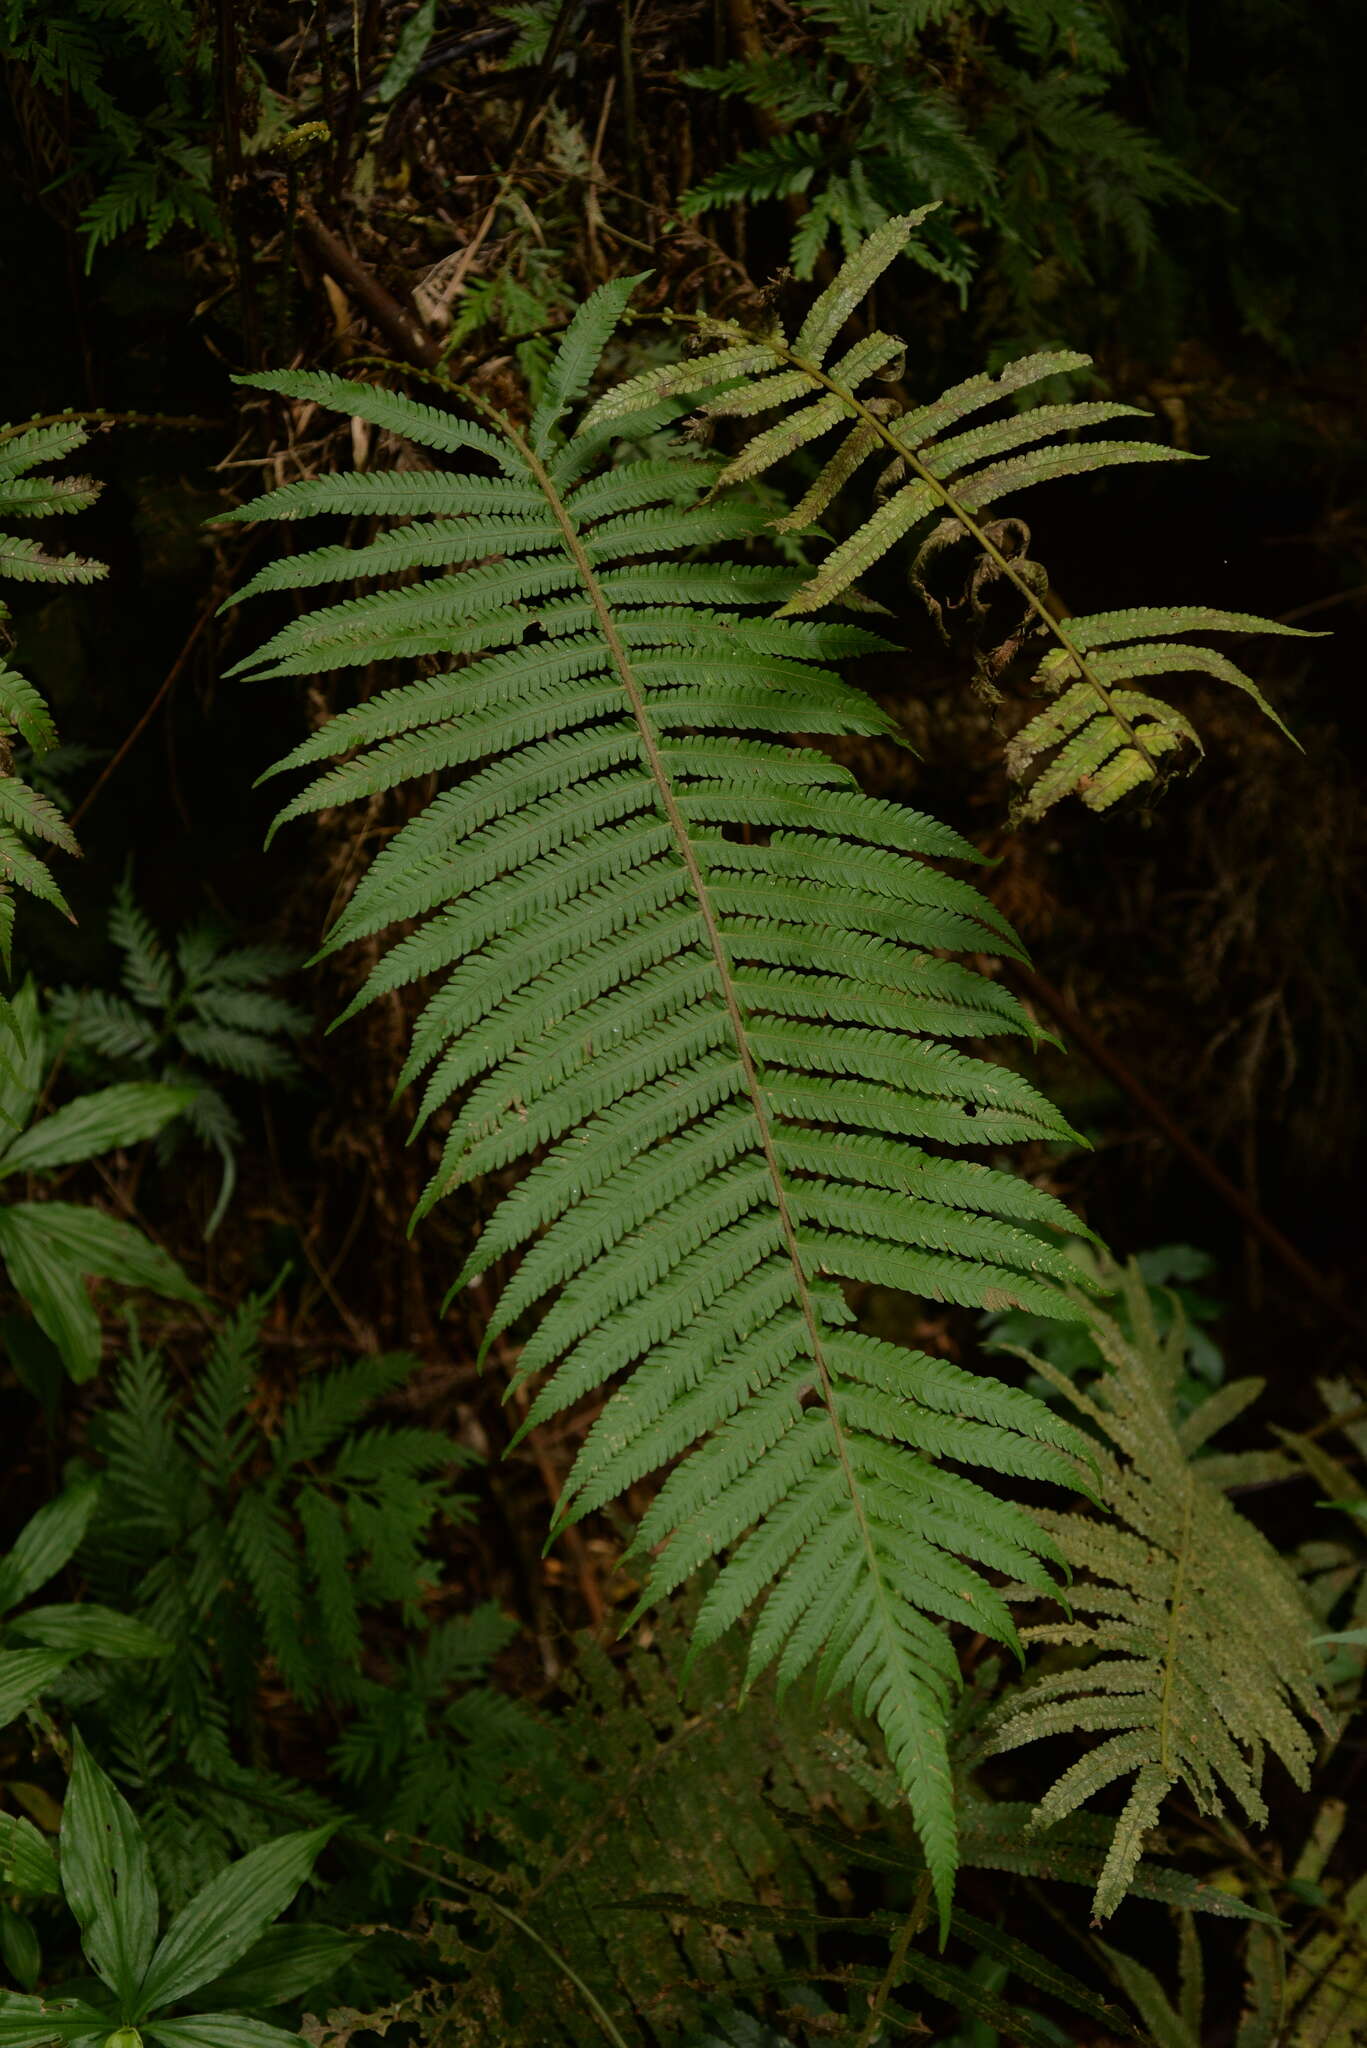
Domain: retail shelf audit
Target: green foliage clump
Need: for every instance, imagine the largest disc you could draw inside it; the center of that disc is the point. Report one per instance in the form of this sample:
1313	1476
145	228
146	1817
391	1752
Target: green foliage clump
121	89
202	1008
48	1248
52	1637
277	1547
997	111
220	1951
652	1793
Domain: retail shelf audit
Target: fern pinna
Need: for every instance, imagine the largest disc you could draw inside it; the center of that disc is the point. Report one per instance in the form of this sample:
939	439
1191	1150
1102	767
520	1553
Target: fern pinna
1102	735
684	963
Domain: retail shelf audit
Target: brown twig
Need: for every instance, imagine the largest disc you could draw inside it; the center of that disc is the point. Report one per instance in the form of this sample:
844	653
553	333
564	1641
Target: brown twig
400	329
168	683
1109	1063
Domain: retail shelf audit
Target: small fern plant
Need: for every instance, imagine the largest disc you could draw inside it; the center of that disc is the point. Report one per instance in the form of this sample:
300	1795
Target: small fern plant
1103	732
285	1542
49	1249
1202	1647
189	1013
675	957
125	87
874	107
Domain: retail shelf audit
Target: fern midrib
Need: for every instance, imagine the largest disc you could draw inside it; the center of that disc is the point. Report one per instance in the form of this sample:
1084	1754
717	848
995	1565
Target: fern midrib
783	353
650	744
1174	1617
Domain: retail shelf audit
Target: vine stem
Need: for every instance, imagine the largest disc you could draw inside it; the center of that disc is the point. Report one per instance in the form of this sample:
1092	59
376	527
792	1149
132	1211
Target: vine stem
731	331
97	416
892	1976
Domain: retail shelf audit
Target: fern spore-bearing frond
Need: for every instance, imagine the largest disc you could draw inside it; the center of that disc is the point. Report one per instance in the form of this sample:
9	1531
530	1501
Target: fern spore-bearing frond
679	959
1104	734
1204	1656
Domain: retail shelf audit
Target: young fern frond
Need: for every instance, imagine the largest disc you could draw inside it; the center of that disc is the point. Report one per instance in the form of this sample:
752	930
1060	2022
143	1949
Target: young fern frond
1204	1646
680	960
1103	735
25	813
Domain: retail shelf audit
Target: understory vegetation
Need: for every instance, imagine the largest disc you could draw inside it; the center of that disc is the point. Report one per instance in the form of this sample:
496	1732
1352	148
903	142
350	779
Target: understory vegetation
679	1360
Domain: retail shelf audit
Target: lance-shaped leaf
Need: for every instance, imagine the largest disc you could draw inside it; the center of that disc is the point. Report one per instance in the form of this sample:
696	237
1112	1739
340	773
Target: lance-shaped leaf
107	1877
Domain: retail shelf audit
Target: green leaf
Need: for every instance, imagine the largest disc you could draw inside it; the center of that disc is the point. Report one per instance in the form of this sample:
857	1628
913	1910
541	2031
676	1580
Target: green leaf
1203	1660
87	1629
48	1247
27	1864
28	810
55	1291
671	950
46	1542
107	1877
24	448
284	1964
109	1117
96	1243
221	1923
21	1071
1150	2002
25	1676
19	1946
28	2022
25	709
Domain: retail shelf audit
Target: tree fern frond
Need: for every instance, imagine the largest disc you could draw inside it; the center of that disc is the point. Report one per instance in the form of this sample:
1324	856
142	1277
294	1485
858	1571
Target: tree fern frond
1105	739
674	950
1204	1653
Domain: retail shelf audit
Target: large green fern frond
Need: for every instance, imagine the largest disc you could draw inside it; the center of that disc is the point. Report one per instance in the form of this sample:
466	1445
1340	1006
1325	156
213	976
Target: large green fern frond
25	813
676	957
950	461
1202	1646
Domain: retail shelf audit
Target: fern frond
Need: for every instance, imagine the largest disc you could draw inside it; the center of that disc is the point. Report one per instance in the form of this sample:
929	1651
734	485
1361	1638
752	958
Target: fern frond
1104	737
1204	1658
670	943
26	813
